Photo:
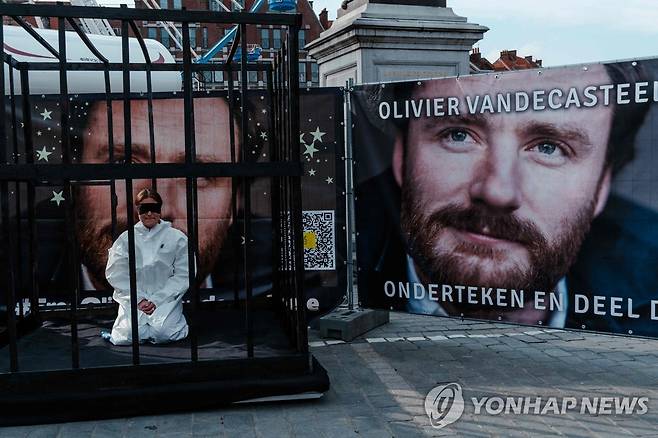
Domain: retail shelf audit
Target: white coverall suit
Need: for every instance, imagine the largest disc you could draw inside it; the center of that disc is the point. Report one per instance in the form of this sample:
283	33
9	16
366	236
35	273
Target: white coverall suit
162	278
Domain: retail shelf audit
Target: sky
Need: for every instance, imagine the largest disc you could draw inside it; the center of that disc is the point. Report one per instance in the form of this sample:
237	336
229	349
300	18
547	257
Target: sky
560	32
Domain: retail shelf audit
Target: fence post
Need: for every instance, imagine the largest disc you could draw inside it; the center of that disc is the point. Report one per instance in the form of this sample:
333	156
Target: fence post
349	194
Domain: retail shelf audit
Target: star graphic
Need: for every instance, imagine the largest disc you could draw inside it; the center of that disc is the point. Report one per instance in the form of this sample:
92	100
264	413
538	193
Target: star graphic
46	114
310	149
38	133
301	137
264	111
263	135
317	135
43	154
311	172
329	180
58	197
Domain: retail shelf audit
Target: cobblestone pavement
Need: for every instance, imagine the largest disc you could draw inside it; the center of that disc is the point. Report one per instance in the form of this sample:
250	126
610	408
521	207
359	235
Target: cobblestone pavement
379	383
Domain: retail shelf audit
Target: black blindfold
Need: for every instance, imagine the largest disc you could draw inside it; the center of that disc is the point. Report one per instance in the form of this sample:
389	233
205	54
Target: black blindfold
152	207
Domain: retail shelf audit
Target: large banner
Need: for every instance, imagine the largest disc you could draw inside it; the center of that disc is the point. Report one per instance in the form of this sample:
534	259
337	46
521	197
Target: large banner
220	226
527	197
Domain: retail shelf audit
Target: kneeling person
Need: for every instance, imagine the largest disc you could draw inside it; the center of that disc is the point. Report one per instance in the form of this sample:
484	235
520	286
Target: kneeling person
161	264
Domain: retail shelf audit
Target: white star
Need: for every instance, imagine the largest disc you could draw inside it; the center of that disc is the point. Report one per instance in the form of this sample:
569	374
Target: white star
263	135
317	135
242	240
38	133
310	149
58	197
329	180
43	154
264	111
311	172
46	114
301	137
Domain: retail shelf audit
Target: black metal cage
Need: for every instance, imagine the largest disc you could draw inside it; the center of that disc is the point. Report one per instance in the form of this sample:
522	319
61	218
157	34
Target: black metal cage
81	389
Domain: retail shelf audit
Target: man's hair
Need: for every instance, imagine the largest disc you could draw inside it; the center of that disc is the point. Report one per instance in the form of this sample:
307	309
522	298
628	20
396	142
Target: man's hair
148	193
626	121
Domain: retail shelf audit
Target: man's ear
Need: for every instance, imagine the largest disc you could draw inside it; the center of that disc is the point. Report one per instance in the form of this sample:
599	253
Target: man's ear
603	192
398	159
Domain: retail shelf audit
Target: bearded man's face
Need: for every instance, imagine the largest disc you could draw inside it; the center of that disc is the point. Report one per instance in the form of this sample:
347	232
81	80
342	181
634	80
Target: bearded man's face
94	226
502	200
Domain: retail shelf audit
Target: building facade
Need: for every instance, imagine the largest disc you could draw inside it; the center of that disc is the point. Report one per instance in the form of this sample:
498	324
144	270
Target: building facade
507	61
204	36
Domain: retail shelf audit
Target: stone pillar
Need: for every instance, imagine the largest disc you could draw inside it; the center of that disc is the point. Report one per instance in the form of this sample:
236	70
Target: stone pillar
392	40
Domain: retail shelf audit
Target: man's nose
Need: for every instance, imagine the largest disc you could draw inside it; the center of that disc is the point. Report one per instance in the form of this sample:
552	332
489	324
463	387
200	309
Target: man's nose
497	181
173	197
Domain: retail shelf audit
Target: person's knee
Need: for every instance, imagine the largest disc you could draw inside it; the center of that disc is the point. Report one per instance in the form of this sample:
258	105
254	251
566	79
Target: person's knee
120	340
161	334
122	334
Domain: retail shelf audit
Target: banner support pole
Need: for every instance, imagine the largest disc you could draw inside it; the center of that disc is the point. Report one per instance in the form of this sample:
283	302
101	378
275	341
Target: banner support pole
349	194
347	324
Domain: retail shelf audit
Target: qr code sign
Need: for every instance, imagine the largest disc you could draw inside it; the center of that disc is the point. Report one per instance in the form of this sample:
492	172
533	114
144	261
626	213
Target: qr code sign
319	240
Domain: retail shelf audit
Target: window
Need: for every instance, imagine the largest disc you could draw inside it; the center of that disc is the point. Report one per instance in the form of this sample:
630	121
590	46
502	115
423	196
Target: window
253	76
234	7
219	76
277	38
177	4
204	38
302	72
164	38
214	5
164	4
192	36
265	38
315	73
153	33
302	39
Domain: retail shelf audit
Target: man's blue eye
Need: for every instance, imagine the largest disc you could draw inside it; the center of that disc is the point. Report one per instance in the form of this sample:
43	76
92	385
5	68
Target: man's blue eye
459	136
547	148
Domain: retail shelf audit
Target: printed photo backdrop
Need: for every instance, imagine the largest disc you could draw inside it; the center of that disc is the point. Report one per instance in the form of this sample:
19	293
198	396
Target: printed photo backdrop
527	197
220	239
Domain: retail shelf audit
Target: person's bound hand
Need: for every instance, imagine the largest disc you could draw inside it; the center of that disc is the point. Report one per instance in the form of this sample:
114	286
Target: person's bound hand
146	306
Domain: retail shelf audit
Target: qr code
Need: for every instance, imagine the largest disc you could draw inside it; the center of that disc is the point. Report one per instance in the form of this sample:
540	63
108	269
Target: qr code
319	240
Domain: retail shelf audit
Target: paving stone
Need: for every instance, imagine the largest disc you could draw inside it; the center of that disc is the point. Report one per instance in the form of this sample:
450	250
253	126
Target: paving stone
23	431
406	429
379	383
